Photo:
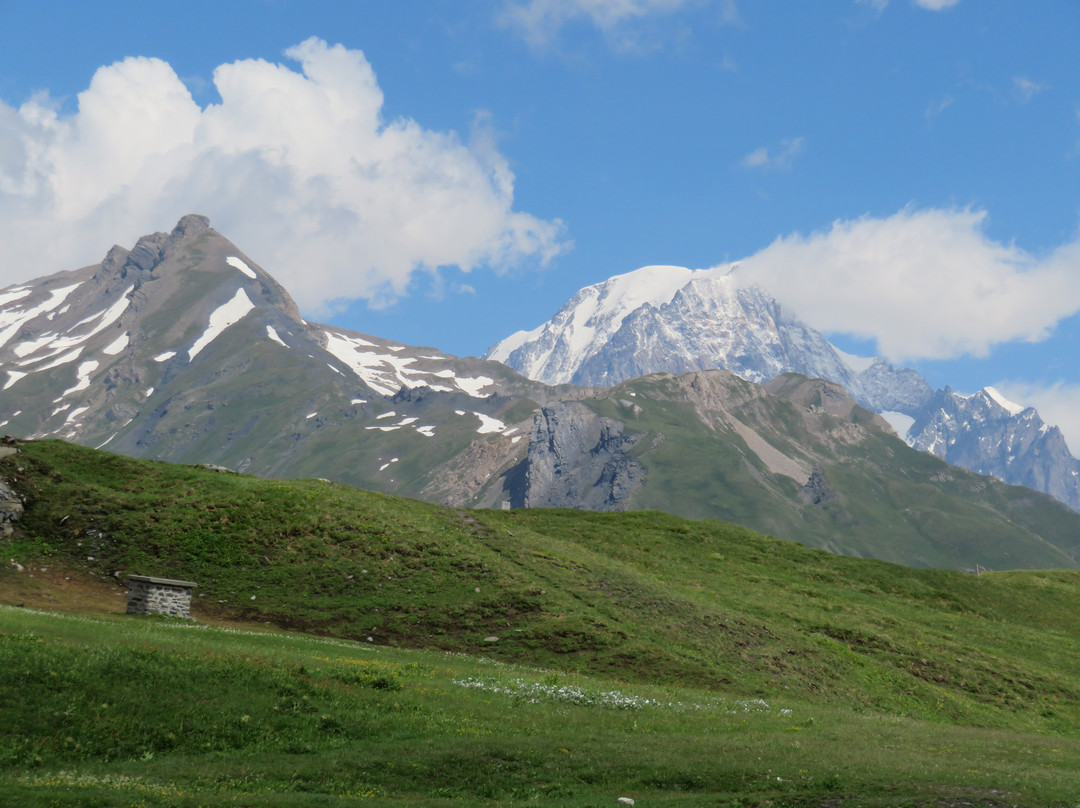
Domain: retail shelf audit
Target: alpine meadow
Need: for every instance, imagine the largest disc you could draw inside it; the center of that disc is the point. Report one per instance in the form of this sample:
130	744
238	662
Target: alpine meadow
572	403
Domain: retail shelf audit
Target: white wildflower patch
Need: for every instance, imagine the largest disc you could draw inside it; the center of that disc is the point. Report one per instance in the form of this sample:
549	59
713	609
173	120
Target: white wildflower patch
111	781
537	692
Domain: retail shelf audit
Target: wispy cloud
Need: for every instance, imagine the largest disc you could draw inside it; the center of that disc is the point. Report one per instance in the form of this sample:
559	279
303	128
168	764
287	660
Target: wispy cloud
876	6
1026	88
925	284
729	64
936	5
296	165
934	110
782	158
540	21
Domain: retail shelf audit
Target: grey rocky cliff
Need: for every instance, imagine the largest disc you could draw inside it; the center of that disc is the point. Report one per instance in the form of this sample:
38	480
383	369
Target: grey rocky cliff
817	489
11	506
578	459
884	388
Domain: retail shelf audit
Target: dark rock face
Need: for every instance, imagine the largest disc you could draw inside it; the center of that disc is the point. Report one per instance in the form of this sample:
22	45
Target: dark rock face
817	490
151	250
578	459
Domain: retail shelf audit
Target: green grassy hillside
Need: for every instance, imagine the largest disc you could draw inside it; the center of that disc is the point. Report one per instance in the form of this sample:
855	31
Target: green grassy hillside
886	500
905	686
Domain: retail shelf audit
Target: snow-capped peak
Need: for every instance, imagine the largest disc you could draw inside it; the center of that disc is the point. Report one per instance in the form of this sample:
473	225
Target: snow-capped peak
554	351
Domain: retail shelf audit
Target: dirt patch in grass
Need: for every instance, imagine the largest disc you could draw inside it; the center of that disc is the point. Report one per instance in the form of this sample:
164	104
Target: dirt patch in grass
56	587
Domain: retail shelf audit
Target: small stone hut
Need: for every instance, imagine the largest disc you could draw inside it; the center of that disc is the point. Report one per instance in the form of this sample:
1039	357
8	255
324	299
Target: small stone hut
148	595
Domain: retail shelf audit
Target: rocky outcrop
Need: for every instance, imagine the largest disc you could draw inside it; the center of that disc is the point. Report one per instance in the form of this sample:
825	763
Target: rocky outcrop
578	459
817	489
11	508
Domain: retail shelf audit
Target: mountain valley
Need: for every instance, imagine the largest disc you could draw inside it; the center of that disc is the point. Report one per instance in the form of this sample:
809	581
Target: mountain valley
183	349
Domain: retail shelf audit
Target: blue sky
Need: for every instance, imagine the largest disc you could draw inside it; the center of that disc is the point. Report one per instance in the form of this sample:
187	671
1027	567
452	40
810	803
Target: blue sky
904	174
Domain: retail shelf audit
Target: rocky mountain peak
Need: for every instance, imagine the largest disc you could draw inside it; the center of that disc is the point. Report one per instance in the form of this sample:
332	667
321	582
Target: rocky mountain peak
987	433
150	251
190	226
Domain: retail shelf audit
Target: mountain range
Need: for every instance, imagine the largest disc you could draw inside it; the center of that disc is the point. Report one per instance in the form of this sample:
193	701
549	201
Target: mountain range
674	320
184	349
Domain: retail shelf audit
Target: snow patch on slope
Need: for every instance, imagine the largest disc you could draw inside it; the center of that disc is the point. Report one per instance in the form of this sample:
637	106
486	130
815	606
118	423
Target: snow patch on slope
900	422
117	345
54	344
82	381
387	373
270	332
14	293
12	320
856	363
70	356
501	351
236	263
224	316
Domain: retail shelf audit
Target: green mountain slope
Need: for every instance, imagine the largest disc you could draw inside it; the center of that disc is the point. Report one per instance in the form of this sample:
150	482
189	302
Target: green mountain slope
182	349
641	596
799	459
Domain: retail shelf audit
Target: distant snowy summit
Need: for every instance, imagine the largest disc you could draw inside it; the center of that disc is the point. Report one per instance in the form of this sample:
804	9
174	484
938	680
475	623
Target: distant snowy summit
663	319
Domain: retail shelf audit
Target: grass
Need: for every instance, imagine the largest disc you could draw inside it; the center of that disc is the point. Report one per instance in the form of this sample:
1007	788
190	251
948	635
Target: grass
503	657
117	711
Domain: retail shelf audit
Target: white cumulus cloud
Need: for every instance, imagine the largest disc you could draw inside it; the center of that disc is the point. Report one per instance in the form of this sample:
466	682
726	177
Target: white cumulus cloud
297	166
925	284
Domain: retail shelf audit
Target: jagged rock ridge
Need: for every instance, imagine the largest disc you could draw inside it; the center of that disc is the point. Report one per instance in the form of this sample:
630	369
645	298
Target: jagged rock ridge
990	435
